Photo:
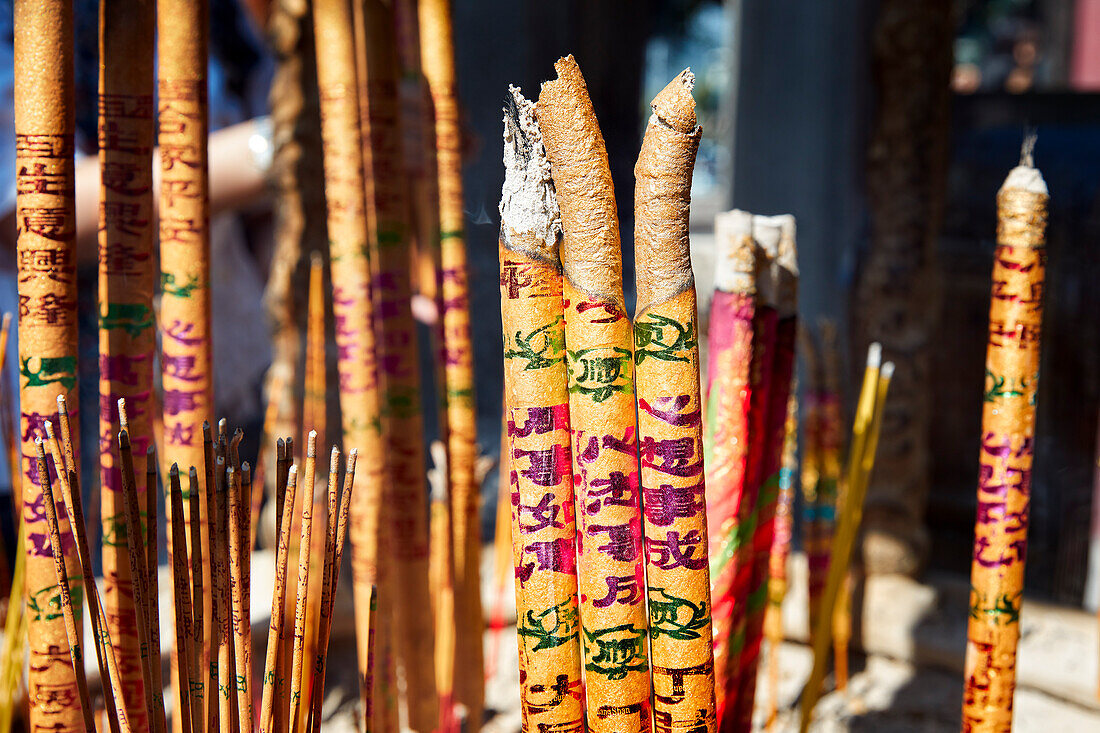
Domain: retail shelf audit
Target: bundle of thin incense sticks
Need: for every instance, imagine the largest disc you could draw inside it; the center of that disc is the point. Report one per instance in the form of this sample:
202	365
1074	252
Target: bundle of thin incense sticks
576	372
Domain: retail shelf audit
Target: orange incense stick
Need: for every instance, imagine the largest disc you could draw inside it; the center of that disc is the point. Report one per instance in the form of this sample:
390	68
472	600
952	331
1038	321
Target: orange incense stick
127	131
1008	444
72	627
212	581
313	412
600	358
297	676
45	230
239	616
219	546
441	566
181	596
538	487
198	641
399	375
273	685
438	61
670	408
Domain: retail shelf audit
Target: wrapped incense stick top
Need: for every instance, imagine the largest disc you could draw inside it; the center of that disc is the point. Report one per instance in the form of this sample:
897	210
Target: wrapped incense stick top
662	197
735	269
528	205
591	255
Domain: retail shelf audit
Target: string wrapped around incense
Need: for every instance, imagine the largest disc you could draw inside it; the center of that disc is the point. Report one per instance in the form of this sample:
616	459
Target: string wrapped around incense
438	59
861	458
183	214
543	526
127	33
670	427
353	307
784	277
730	352
274	672
46	255
399	375
1008	445
600	360
71	616
181	598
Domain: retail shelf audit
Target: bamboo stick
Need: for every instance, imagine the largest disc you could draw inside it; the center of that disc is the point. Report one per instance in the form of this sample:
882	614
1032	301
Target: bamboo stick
600	360
181	597
872	398
670	428
183	215
398	360
1008	444
127	131
46	256
346	146
72	626
438	62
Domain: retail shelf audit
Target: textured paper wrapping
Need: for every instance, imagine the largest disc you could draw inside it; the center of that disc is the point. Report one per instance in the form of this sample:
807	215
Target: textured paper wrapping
600	358
399	374
538	443
1007	449
47	331
437	53
784	277
127	338
353	309
670	427
730	349
186	359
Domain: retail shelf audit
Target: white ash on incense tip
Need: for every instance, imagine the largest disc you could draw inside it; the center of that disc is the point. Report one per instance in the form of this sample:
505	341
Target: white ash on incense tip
528	203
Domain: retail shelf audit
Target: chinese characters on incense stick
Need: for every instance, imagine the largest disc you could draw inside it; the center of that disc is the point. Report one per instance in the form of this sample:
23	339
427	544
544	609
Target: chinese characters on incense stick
1007	449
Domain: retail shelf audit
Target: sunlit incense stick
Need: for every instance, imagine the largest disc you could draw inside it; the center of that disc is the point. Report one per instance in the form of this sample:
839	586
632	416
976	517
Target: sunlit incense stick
181	596
270	712
239	616
198	641
297	675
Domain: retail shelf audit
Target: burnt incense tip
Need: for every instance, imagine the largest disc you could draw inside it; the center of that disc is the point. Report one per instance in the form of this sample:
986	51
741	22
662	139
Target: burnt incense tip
48	427
7	320
874	355
123	419
192	472
528	204
334	460
311	444
674	106
316	259
887	371
174	471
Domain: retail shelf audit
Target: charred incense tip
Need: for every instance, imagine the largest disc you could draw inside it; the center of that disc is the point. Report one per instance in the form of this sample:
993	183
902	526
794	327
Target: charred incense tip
123	419
334	460
174	471
528	205
192	473
887	371
674	106
311	444
48	427
316	259
7	322
874	355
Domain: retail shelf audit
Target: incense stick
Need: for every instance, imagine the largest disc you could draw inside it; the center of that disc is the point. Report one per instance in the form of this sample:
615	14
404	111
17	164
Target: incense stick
47	339
302	594
219	547
600	360
239	585
198	689
1008	444
211	580
441	579
72	631
438	60
152	553
780	552
181	597
270	713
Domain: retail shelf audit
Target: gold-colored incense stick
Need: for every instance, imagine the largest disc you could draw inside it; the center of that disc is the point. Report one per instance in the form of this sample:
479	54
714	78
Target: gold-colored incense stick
313	409
441	574
72	625
219	547
181	597
198	641
270	711
600	358
438	63
240	621
399	376
342	84
186	360
1007	448
152	552
861	457
670	426
297	676
46	259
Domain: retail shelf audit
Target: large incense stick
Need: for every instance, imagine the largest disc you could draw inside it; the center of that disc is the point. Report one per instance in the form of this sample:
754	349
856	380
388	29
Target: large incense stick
1008	445
186	360
600	358
44	124
670	426
538	448
126	334
438	57
399	374
353	306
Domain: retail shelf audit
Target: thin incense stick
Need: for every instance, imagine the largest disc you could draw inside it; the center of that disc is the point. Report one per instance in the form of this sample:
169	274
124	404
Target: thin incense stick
270	713
72	631
670	406
731	347
399	376
211	580
239	585
1008	444
105	651
317	557
181	597
198	641
152	553
316	688
313	409
297	675
346	147
46	256
259	477
438	62
127	36
219	546
441	574
184	234
600	359
876	383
